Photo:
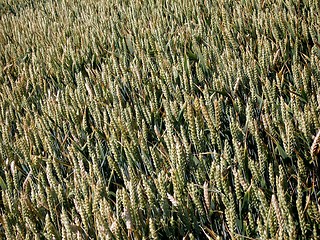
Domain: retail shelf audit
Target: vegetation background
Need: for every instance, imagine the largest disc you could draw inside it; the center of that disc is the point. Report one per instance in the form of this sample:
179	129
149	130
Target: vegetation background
159	119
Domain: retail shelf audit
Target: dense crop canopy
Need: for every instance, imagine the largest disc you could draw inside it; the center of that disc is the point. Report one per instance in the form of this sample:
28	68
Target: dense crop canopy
159	119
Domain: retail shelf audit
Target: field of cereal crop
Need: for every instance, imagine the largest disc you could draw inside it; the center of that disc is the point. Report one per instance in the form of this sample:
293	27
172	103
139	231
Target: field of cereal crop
159	119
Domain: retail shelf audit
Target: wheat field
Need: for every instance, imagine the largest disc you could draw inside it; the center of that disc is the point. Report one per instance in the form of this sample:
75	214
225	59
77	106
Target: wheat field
159	119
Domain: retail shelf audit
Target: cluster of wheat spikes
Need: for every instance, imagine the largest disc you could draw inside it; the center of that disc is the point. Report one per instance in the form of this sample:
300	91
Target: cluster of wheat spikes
159	119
